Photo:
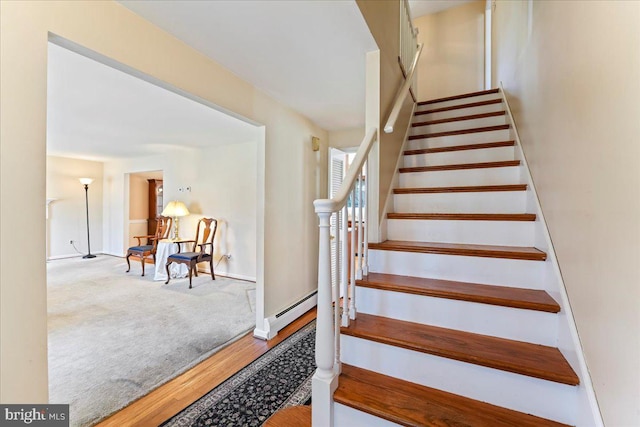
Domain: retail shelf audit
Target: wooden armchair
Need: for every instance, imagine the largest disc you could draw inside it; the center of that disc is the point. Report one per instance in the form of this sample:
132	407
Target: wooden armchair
148	251
201	252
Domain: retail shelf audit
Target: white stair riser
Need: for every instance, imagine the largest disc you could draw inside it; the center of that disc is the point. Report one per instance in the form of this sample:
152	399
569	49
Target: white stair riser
467	138
346	416
469	100
459	157
463	177
461	124
507	233
489	271
472	202
458	112
543	398
505	322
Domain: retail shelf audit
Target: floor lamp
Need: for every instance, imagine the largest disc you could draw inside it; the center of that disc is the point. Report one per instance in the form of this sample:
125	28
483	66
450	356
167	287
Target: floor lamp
86	182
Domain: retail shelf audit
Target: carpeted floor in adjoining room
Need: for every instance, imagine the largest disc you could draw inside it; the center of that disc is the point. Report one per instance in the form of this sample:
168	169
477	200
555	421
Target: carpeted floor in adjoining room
115	336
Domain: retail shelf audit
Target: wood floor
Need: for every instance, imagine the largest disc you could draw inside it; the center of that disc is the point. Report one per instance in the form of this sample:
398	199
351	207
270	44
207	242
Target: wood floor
177	394
293	416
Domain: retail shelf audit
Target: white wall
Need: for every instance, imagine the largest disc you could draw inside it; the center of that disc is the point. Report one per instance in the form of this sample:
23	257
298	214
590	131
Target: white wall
452	60
226	189
67	214
223	183
571	72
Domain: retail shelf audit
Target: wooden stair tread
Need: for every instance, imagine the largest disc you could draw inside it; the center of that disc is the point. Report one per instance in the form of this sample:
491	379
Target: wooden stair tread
460	147
528	299
462	216
460	132
486	251
460	118
460	106
462	96
414	405
519	357
462	189
461	166
293	416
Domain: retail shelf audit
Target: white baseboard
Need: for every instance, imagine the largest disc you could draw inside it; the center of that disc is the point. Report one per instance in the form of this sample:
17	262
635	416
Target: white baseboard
119	255
263	333
205	269
52	258
273	324
74	255
235	276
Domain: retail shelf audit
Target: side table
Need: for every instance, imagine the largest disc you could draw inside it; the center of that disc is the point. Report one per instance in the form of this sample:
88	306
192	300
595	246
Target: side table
165	248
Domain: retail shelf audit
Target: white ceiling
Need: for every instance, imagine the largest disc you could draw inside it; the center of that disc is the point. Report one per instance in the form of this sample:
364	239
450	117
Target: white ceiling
424	7
309	55
97	112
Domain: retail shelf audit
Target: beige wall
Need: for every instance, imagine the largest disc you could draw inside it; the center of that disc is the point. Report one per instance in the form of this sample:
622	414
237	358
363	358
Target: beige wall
67	214
452	60
138	209
292	175
346	138
383	19
571	71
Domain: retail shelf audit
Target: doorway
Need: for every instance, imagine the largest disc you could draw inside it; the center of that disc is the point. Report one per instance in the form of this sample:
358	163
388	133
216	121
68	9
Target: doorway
145	204
128	134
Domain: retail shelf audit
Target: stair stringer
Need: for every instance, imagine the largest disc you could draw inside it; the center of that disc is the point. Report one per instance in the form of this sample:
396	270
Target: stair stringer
389	204
587	411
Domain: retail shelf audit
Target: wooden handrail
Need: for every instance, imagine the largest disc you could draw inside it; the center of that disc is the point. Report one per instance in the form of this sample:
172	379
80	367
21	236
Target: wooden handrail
402	93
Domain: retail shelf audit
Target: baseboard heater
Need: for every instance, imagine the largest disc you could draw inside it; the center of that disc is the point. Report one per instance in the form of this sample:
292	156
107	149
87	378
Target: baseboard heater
272	324
286	310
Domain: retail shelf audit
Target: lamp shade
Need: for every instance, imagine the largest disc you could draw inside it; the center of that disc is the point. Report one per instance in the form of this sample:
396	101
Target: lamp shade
175	209
86	181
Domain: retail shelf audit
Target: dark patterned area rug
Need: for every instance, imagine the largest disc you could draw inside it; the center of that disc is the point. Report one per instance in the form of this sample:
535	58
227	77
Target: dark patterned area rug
279	378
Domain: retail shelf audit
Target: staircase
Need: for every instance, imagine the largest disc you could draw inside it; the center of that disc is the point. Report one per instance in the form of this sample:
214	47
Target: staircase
455	326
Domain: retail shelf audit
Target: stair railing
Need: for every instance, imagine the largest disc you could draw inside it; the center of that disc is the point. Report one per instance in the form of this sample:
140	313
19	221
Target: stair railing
331	314
330	318
403	92
408	37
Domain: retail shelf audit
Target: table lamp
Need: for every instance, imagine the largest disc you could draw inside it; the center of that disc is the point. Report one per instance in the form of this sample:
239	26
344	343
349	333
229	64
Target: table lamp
175	209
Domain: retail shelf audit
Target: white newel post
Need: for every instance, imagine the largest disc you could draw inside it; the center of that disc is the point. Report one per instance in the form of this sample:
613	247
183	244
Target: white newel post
325	380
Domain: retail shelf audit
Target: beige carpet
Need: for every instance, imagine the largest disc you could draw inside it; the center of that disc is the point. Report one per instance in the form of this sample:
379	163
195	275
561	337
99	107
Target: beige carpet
115	336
